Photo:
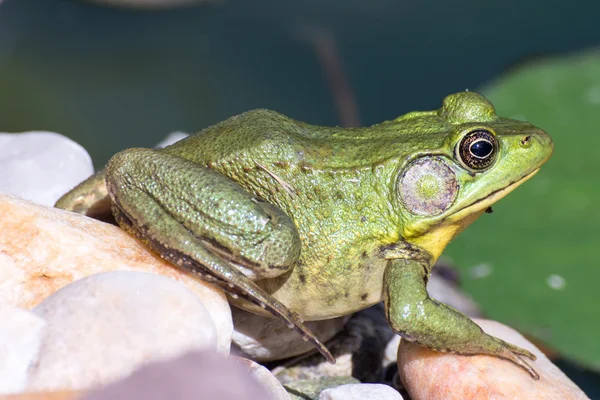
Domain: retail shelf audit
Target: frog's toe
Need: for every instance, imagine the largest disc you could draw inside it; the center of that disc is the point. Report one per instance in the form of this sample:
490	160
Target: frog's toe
514	353
522	352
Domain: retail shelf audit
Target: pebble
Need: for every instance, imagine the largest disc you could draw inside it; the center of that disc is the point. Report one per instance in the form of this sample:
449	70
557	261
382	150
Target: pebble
265	339
102	327
171	138
358	349
21	335
360	391
431	375
266	379
41	166
311	388
43	249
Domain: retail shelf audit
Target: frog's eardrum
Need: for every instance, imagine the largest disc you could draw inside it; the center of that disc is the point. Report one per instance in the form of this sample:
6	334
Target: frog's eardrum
428	186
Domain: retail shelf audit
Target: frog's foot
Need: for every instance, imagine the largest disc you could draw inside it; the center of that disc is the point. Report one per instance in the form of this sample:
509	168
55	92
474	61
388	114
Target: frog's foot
489	345
161	208
420	319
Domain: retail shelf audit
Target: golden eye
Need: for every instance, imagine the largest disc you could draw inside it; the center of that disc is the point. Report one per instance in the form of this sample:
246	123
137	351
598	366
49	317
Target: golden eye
477	150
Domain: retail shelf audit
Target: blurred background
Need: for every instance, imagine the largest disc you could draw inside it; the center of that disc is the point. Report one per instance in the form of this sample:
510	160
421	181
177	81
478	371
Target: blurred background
112	77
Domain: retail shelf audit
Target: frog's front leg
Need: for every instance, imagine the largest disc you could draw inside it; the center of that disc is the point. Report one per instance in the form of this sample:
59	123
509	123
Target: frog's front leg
205	223
417	318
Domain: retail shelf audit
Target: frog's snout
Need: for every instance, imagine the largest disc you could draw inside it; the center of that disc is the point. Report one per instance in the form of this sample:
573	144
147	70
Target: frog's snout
539	142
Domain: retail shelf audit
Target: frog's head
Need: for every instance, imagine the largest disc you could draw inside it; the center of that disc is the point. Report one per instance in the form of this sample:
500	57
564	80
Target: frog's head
482	158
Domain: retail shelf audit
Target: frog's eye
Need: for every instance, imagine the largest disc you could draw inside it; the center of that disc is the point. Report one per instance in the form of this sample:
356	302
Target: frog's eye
477	150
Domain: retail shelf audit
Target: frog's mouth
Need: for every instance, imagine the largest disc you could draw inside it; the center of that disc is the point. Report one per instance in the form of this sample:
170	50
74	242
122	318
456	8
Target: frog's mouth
484	203
436	239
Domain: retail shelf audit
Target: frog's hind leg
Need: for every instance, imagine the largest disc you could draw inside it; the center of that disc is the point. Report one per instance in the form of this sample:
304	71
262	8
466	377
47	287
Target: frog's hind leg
203	222
89	198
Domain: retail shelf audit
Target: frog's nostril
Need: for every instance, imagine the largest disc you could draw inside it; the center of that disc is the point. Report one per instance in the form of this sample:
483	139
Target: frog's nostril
525	141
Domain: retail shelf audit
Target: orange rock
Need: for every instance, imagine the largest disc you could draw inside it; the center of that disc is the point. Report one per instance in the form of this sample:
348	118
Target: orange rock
62	395
431	375
43	249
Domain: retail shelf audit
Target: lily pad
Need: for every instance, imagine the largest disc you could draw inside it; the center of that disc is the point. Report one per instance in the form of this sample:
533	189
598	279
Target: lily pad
534	263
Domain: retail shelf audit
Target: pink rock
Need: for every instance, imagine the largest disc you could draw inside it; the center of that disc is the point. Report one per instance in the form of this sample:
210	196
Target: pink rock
197	375
431	375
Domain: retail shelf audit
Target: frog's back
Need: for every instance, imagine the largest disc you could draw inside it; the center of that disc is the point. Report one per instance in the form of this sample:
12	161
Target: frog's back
267	137
257	134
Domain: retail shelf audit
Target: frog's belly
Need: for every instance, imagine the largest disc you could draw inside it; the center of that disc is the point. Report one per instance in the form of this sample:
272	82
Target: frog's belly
314	295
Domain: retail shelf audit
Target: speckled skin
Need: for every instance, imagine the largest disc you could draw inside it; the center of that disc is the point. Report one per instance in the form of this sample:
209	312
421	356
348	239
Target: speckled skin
317	220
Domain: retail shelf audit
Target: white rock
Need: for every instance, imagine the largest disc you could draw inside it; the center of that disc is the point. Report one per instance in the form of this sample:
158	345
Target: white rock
391	350
266	379
41	166
104	326
360	391
171	138
21	334
266	339
42	249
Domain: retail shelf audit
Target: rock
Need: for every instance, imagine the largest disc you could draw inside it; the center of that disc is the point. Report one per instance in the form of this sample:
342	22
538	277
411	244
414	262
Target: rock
41	166
311	388
198	375
266	379
102	327
59	395
358	349
42	249
171	138
21	334
390	354
431	375
264	339
360	391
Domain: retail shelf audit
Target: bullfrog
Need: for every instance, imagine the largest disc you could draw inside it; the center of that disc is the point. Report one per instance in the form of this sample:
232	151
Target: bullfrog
305	222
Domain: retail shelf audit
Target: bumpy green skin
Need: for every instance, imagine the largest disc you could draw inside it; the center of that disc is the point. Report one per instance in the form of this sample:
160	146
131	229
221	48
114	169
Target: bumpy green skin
323	221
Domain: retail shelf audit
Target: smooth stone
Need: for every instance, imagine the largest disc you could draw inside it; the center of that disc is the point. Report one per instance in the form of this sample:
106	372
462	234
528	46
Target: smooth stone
171	138
358	349
311	388
360	391
102	327
42	249
431	375
41	166
265	339
56	395
391	350
194	376
266	379
21	335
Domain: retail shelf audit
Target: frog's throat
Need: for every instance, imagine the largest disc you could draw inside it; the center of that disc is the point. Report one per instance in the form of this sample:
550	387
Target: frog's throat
435	240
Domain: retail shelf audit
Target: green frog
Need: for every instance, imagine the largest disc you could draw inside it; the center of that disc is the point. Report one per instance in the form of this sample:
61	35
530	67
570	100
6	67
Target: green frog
306	223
